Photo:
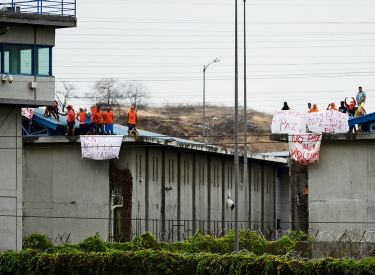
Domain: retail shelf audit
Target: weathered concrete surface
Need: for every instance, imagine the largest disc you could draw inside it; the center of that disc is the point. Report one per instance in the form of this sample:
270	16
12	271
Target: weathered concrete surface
19	92
64	192
10	179
342	186
38	19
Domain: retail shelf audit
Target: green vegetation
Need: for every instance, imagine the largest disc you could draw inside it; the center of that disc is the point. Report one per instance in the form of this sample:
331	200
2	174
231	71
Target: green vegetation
199	254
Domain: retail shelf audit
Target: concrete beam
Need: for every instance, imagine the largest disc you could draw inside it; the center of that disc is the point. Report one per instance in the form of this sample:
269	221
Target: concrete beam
163	142
329	136
38	19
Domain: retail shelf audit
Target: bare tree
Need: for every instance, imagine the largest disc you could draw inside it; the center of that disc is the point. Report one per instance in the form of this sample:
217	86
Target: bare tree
136	94
65	94
107	90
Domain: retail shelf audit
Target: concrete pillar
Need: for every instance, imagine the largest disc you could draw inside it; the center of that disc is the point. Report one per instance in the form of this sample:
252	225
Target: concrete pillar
11	159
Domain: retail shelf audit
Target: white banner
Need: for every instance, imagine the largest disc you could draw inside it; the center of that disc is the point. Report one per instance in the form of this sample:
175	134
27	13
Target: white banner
290	122
328	122
305	148
27	112
101	147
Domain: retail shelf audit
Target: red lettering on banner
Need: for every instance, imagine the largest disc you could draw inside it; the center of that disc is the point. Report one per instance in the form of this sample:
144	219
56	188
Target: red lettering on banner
304	157
313	137
297	139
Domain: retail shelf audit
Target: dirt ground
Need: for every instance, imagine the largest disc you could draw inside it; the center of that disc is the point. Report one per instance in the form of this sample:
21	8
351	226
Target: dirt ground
185	121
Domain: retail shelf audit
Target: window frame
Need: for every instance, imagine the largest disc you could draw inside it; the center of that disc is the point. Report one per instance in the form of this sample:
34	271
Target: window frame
34	58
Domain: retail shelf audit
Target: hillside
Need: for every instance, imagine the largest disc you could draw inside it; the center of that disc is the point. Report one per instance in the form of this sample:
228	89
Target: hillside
185	121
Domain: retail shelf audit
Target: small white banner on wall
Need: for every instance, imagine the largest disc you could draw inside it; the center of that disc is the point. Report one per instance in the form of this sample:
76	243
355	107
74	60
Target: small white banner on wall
27	112
101	147
289	122
328	122
305	148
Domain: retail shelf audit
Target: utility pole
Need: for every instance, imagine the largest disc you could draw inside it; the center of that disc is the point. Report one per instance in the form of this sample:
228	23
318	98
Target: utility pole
236	157
245	174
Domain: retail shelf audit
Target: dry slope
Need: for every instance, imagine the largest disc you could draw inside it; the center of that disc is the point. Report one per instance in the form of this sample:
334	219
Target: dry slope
185	121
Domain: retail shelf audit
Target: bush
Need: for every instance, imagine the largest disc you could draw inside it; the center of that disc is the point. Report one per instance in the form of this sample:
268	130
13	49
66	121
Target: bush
92	244
38	242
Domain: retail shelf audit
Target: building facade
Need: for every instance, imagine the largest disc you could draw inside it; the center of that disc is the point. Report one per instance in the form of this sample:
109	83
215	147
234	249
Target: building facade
340	186
175	187
27	32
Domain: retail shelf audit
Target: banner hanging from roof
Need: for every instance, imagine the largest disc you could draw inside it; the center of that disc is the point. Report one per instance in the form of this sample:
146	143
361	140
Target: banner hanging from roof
101	147
289	121
305	148
328	122
27	112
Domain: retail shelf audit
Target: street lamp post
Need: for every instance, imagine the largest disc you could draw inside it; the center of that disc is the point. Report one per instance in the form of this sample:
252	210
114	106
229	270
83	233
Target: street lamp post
204	96
212	119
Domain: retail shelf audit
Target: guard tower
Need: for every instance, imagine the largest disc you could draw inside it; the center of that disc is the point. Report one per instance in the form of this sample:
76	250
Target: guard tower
27	38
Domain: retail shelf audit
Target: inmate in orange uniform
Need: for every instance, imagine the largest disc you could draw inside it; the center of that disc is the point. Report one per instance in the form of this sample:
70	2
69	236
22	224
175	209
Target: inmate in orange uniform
108	120
98	116
81	116
132	119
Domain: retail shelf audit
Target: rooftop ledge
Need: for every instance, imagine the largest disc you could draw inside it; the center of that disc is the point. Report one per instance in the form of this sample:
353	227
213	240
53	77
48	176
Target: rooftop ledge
198	147
38	19
329	136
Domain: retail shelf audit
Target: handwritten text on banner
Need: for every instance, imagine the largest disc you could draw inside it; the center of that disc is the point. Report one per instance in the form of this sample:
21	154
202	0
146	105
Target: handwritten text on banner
305	148
289	121
101	147
27	112
328	122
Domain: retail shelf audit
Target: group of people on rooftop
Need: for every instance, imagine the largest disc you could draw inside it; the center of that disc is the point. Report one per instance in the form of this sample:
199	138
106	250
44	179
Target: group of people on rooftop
355	107
94	121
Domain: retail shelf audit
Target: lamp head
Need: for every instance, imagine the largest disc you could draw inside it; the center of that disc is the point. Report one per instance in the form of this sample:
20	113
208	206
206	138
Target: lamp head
216	60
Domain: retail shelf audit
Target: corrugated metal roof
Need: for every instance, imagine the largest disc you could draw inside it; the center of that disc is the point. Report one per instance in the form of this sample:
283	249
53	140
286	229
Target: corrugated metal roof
149	137
52	123
283	154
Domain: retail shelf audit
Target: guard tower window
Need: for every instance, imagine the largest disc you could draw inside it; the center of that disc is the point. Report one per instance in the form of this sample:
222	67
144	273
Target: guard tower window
26	59
17	59
43	64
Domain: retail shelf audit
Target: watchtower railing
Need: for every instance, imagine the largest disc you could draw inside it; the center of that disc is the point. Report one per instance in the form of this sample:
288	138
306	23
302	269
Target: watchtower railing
43	7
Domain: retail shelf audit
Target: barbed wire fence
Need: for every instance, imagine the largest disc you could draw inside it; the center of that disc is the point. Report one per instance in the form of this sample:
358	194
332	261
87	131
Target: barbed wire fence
356	244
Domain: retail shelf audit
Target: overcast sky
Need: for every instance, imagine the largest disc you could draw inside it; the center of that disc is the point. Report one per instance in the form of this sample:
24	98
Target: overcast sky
298	51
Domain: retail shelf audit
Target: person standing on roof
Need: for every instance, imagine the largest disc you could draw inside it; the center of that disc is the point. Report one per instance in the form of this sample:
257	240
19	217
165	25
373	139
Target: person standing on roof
332	107
314	109
285	107
132	119
99	121
71	120
93	111
361	98
88	121
343	108
108	120
81	116
351	112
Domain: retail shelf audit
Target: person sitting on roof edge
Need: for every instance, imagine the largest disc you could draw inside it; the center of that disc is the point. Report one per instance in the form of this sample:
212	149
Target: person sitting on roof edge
54	110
